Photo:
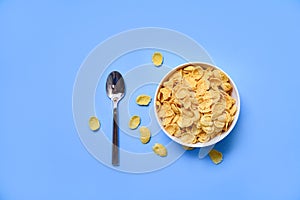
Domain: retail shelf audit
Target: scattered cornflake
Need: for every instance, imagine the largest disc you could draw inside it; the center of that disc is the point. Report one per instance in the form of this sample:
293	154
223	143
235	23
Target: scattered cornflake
215	156
160	150
144	134
134	122
94	123
157	59
143	100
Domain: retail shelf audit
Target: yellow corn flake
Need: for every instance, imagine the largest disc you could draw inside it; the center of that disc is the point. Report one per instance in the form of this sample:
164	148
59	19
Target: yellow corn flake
189	68
207	74
158	105
203	84
176	77
206	102
160	150
197	73
171	128
206	120
175	119
165	112
168	84
167	120
187	113
215	96
224	78
215	156
228	101
186	102
181	93
219	124
217	74
204	108
233	110
196	116
208	129
143	100
187	138
226	86
157	59
134	122
165	94
192	82
144	134
184	122
218	108
203	137
228	116
217	131
222	117
195	130
94	123
174	108
215	83
194	104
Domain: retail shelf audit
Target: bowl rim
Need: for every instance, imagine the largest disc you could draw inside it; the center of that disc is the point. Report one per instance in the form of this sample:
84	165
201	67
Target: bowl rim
215	139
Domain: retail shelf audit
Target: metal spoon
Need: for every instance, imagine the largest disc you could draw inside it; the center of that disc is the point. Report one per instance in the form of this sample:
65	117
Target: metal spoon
115	89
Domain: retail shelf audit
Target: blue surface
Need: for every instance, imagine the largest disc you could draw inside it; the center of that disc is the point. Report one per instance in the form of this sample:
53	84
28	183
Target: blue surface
42	45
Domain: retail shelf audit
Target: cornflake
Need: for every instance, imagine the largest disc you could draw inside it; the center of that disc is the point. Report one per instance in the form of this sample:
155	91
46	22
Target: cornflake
134	122
160	150
143	100
215	156
144	134
195	104
157	59
94	123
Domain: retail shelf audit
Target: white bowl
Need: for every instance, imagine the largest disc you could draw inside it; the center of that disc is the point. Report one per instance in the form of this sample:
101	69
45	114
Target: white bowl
234	94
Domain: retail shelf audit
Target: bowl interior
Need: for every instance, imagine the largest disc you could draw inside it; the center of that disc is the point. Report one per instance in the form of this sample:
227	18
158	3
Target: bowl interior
234	94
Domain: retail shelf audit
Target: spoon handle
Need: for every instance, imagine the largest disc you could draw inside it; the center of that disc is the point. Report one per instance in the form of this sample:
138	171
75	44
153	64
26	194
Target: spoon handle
115	145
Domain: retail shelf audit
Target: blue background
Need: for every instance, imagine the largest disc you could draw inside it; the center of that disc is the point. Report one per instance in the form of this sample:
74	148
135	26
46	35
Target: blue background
42	45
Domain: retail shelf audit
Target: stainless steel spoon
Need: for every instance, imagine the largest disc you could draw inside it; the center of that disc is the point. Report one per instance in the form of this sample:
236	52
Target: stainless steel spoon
115	89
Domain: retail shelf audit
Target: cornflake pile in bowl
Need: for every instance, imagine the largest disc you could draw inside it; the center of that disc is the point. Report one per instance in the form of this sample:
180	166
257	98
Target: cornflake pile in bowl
197	104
